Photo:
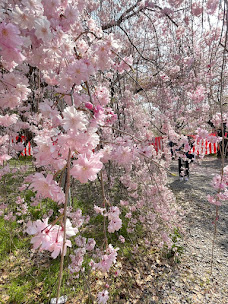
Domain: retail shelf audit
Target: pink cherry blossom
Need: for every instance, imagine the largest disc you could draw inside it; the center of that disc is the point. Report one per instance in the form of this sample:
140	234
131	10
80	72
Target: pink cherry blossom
122	239
76	260
4	157
42	29
86	167
113	213
9	36
102	96
70	82
73	119
114	225
107	259
99	209
213	200
47	187
78	71
48	237
90	244
23	18
80	241
103	297
8	120
197	9
211	6
36	227
57	246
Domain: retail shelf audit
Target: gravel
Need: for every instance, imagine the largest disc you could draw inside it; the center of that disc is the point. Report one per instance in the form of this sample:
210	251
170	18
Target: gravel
199	284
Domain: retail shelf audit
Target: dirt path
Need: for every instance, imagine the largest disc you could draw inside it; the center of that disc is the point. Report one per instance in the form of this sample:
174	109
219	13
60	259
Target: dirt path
192	282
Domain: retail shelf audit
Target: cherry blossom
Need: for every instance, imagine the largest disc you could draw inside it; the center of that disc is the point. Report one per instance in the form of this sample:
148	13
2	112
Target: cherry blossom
49	237
42	29
86	167
197	9
107	259
9	36
73	119
103	297
47	187
4	157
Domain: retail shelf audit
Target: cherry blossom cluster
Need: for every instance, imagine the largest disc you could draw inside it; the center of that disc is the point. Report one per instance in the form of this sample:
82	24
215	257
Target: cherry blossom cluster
46	187
13	91
77	258
50	237
149	202
220	184
113	214
106	260
11	43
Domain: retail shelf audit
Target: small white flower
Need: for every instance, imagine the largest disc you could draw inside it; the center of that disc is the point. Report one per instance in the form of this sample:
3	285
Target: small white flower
102	297
42	29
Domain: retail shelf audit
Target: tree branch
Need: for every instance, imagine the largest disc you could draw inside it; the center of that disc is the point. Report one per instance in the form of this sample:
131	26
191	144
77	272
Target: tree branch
123	17
166	14
146	59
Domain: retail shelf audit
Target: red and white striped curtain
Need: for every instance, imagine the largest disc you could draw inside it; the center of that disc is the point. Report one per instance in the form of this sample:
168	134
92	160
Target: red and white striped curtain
202	146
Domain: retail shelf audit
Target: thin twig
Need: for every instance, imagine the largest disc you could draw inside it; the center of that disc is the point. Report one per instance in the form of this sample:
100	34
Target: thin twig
104	205
87	32
123	17
64	225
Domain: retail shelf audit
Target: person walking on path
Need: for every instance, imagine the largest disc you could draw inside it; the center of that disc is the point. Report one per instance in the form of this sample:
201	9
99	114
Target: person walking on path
184	160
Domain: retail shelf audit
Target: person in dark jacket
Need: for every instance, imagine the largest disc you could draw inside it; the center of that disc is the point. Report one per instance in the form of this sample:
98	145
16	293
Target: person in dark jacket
172	149
183	162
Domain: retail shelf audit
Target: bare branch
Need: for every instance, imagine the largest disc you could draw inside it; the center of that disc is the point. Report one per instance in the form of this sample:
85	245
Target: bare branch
85	33
223	46
166	14
123	17
134	46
